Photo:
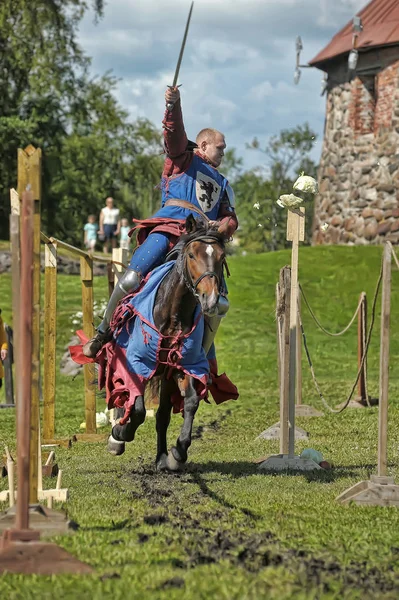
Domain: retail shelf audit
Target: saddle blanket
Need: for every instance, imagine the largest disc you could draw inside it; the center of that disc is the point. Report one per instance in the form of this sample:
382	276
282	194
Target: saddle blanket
131	358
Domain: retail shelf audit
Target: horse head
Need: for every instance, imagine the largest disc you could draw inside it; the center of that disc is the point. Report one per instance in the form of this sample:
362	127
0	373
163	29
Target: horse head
203	258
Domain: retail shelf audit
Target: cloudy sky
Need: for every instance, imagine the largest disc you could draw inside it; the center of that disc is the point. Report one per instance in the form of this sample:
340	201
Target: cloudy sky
237	71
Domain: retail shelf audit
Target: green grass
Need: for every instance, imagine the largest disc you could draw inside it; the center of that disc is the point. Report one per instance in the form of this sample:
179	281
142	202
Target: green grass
221	529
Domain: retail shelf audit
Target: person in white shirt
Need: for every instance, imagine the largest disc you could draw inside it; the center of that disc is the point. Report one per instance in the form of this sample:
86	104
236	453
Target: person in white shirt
109	224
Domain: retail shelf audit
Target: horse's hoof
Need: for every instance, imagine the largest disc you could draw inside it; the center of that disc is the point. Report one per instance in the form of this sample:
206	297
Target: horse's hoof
114	447
162	463
172	464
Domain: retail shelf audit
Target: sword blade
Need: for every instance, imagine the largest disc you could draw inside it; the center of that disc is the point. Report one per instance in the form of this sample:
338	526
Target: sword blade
182	46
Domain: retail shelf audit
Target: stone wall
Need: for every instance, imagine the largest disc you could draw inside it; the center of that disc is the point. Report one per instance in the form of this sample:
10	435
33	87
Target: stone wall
359	167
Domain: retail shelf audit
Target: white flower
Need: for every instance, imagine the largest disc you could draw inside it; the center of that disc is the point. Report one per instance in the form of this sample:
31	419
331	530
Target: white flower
324	227
75	321
257	205
289	201
260	225
306	184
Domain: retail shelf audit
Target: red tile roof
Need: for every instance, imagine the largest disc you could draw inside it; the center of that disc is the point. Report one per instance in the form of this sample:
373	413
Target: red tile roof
380	19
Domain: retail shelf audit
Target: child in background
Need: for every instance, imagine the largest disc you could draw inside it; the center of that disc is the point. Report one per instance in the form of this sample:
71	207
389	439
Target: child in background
124	239
3	348
90	230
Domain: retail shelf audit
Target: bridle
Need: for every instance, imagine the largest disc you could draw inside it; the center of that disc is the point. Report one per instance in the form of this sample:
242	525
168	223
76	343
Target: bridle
192	285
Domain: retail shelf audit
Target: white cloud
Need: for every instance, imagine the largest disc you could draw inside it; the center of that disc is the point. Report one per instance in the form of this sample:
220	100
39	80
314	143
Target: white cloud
237	71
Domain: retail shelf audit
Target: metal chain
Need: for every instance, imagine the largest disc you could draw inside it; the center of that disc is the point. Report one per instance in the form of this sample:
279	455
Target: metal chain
321	326
327	406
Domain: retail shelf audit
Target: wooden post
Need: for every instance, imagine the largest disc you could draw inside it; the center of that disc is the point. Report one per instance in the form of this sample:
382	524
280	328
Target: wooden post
384	362
110	276
284	303
7	364
24	415
121	257
15	274
86	277
295	233
298	356
279	339
49	343
361	337
29	177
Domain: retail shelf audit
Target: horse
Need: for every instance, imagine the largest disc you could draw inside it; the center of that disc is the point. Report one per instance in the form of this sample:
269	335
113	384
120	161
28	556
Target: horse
189	290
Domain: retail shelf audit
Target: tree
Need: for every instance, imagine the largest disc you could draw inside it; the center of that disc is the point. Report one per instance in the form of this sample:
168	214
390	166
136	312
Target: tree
287	155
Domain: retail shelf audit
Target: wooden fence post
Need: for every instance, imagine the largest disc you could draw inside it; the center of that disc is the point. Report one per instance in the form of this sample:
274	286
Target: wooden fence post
361	337
49	342
29	177
15	216
120	256
86	277
295	233
384	362
284	303
298	356
7	364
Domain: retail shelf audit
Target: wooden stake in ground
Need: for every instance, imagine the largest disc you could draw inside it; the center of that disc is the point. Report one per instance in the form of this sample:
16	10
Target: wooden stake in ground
284	461
30	177
49	341
295	234
20	548
380	490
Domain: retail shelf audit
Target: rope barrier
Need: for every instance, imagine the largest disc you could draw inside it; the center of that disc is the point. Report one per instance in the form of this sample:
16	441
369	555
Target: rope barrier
366	348
394	254
318	322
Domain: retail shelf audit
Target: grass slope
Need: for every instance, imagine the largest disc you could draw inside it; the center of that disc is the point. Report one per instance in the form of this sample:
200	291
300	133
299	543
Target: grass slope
221	529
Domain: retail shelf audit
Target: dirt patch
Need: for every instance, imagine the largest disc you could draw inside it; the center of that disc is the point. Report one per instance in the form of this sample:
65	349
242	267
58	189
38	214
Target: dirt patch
175	582
206	537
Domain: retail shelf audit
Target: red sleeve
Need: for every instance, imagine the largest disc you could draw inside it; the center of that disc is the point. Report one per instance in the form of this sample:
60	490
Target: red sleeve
175	139
227	219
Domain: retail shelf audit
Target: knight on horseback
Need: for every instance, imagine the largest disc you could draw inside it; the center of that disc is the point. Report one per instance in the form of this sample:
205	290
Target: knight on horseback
191	185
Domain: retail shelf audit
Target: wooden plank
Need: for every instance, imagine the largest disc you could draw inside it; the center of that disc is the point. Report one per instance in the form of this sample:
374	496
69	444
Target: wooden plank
7	364
361	337
29	177
295	217
121	257
15	272
49	341
384	362
25	349
86	276
284	315
295	233
298	355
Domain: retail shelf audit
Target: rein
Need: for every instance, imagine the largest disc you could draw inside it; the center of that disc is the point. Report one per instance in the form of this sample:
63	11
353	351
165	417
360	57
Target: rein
192	285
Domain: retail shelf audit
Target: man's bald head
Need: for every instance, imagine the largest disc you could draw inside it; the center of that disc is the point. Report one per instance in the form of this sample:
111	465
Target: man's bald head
211	142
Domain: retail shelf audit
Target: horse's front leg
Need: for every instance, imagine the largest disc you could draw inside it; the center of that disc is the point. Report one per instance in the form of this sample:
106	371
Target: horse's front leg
163	419
125	433
178	454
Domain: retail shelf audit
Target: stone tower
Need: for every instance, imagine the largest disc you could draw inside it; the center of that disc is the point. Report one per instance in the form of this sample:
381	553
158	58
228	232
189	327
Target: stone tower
359	166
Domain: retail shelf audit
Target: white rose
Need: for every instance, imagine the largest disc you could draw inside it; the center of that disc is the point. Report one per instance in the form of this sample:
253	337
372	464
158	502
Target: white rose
306	184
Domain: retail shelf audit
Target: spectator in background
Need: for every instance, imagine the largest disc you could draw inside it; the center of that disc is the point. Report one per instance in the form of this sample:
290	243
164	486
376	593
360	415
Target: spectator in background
124	239
109	224
90	234
3	348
